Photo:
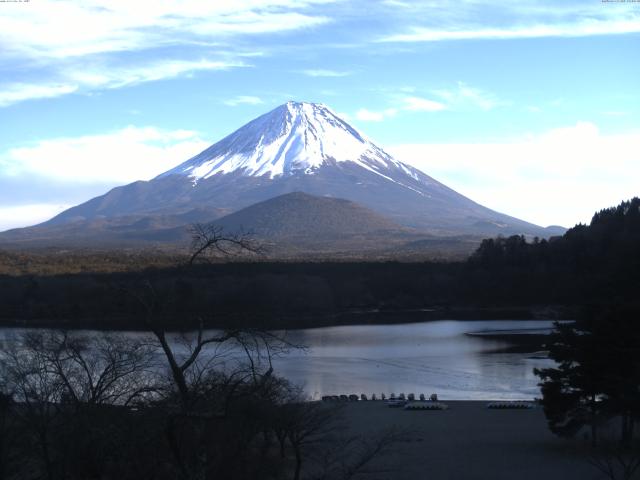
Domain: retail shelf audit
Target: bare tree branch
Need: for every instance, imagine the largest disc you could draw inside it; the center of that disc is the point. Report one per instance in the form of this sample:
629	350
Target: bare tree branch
212	238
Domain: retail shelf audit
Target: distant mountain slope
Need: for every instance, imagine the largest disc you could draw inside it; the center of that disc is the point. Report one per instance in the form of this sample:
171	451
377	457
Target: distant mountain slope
299	214
302	147
101	232
297	147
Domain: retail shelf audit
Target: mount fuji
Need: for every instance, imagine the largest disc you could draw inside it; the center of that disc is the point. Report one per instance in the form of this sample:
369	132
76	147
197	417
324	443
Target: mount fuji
297	147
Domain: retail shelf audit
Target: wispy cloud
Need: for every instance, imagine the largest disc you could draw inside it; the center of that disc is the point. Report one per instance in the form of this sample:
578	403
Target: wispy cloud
104	77
17	92
158	70
403	104
101	26
375	116
582	28
107	40
243	100
324	73
464	94
418	104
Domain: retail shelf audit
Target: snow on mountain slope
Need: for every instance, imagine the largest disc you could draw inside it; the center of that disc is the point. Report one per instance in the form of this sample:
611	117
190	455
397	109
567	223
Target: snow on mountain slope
299	147
294	137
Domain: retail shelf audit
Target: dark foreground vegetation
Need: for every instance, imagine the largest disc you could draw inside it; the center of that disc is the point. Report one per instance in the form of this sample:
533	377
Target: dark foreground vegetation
109	407
504	278
594	388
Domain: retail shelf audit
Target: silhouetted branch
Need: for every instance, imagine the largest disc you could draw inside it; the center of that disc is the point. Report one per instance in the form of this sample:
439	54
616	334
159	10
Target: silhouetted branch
211	237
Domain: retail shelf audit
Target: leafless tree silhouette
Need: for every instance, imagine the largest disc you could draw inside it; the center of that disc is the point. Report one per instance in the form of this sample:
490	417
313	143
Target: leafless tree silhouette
211	238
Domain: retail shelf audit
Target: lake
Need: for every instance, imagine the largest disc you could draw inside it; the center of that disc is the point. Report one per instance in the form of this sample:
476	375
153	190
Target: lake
430	357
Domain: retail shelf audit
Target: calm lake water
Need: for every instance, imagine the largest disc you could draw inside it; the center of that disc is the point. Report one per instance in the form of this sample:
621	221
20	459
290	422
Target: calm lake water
431	357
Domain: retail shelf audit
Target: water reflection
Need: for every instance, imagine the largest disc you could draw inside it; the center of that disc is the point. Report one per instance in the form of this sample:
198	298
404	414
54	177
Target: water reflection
419	358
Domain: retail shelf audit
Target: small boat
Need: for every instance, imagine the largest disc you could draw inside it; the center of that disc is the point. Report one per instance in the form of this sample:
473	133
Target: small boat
426	406
515	405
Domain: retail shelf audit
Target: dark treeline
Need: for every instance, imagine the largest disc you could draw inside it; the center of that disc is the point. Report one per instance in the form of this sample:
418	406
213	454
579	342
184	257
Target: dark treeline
76	407
601	260
597	263
594	386
264	294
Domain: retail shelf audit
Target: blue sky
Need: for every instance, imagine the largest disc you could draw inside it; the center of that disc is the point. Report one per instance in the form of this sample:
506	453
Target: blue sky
531	107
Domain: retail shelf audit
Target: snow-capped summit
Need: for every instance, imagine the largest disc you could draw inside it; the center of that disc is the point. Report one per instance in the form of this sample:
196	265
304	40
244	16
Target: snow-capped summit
294	137
297	147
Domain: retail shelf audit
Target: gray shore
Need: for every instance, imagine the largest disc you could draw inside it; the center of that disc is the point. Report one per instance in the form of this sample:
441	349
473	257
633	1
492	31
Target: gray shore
469	441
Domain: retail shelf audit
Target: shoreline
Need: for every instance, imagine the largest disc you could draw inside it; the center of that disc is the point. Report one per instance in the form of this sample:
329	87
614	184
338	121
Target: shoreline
355	317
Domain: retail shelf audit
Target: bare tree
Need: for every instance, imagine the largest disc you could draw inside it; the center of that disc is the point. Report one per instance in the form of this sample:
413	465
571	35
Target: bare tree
106	370
7	430
211	238
616	460
66	387
320	444
351	457
30	380
307	425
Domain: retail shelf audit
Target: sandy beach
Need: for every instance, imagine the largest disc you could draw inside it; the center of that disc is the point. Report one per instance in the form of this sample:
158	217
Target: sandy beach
469	441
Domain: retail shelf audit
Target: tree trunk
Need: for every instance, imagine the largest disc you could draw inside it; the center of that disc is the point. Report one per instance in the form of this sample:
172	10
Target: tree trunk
48	464
626	429
176	371
296	475
174	446
281	441
594	422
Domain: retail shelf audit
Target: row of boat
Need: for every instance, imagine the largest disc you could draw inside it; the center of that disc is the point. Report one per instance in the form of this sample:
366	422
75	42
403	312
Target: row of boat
409	402
362	397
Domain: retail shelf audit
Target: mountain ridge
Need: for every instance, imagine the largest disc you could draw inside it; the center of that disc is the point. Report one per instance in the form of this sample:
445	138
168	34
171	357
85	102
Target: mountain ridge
296	147
303	215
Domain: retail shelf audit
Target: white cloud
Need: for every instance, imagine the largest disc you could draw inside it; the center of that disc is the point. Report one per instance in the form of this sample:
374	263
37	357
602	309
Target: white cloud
375	116
461	96
23	215
126	155
17	92
369	116
243	100
464	95
111	77
324	73
560	177
81	45
583	28
49	29
151	71
414	104
418	104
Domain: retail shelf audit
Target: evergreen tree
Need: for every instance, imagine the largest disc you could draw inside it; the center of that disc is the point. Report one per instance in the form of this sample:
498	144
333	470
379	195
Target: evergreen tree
597	376
572	391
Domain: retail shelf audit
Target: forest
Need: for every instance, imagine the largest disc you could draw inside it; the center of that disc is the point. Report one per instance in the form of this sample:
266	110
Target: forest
505	278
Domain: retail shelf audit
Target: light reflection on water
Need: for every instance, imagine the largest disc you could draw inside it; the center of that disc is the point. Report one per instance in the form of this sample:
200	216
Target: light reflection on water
431	357
413	358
